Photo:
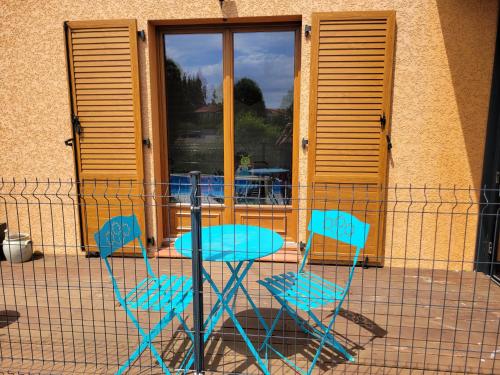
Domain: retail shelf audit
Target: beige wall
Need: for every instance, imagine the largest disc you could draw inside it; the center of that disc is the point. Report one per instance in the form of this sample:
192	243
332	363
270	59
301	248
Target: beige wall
443	63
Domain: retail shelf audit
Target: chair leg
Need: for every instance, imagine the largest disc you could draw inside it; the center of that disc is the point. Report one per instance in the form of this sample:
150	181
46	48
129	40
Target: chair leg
142	346
337	346
330	339
184	325
159	359
324	337
340	348
138	351
147	342
271	329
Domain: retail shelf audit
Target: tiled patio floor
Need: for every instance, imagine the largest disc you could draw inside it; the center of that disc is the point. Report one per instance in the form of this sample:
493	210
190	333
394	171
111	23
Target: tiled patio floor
58	314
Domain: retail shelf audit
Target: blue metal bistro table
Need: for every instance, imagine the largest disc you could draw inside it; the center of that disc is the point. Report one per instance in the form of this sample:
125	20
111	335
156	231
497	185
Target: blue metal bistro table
238	246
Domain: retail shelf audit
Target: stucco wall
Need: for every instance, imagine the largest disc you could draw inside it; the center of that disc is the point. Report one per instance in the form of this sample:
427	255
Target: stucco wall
443	62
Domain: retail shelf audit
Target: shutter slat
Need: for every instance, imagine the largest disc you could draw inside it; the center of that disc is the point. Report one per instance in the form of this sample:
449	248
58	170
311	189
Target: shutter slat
104	102
102	69
351	70
101	63
347	53
105	87
353	76
332	107
107	94
89	39
109	74
114	58
349	101
347	146
332	86
359	59
341	152
352	27
122	106
100	47
349	64
356	40
108	156
332	45
352	33
111	148
341	128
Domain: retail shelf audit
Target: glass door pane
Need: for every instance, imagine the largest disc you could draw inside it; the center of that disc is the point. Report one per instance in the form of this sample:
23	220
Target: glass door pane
193	71
264	67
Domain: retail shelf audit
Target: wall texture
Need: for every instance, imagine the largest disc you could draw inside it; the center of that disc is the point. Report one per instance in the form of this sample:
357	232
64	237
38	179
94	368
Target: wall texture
443	63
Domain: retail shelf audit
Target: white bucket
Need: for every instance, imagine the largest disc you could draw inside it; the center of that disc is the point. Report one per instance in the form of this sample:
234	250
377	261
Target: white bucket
17	247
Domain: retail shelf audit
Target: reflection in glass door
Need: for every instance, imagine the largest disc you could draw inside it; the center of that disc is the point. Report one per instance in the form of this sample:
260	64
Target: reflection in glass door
264	70
229	111
195	132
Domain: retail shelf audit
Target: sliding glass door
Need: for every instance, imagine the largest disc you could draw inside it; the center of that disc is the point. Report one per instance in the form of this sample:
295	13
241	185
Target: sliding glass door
229	99
195	131
264	71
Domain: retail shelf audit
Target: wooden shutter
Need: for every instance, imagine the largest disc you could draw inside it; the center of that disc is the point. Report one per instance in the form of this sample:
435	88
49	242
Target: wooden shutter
351	73
104	78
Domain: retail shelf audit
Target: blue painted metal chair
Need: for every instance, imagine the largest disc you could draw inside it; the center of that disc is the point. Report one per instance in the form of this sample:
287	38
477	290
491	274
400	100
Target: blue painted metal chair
306	291
167	294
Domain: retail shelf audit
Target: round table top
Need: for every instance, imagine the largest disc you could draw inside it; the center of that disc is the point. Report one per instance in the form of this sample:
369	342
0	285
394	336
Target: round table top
232	243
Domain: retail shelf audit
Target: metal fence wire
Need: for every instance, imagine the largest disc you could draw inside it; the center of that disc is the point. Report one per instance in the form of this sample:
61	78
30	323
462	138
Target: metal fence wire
416	302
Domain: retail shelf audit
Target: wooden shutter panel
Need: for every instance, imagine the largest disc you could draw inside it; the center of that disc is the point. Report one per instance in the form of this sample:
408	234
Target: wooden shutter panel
351	74
104	75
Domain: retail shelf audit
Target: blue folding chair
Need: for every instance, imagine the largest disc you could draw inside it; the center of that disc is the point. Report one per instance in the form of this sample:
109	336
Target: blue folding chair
167	294
306	291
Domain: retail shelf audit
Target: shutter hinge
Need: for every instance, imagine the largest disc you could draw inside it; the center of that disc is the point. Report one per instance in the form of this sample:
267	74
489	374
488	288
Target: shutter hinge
490	248
382	121
305	143
150	241
69	142
142	35
147	142
497	178
76	124
389	143
365	263
307	30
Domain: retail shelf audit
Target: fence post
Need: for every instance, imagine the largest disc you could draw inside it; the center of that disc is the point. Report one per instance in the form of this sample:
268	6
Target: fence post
197	272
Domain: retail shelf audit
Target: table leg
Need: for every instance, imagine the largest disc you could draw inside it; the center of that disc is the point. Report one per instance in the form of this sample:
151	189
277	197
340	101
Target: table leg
231	314
254	307
215	314
229	290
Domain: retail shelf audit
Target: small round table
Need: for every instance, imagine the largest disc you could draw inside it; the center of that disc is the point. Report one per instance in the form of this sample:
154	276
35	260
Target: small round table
232	243
240	244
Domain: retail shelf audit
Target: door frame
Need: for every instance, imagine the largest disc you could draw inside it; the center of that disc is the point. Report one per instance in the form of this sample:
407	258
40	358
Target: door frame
488	231
156	29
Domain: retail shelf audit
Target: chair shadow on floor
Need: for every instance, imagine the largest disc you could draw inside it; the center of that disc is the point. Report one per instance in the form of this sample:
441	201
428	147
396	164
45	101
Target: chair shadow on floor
227	352
8	317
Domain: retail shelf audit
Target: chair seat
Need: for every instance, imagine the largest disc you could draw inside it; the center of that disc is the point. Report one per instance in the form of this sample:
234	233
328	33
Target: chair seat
304	290
165	293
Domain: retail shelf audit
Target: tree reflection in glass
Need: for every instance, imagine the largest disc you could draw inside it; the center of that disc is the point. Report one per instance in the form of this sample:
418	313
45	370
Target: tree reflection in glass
193	67
263	116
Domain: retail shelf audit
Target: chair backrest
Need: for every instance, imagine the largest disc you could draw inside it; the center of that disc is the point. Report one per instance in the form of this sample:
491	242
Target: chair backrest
340	226
117	233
